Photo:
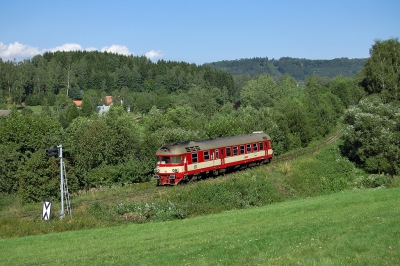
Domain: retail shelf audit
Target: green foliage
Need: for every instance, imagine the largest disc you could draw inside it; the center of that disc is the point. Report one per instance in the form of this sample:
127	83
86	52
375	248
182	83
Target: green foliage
296	121
382	69
374	181
102	141
371	137
347	90
29	133
259	92
9	163
87	107
324	109
327	172
140	212
41	184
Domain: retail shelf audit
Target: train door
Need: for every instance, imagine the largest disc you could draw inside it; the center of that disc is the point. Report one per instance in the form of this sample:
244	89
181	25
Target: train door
216	160
185	164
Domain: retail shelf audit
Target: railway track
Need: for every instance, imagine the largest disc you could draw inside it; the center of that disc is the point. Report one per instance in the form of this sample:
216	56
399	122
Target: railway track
308	150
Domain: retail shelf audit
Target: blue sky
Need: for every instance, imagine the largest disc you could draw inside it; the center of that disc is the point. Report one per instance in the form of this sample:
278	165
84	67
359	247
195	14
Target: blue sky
198	31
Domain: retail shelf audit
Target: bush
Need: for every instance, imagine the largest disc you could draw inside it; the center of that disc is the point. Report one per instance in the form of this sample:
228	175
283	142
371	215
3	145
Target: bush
373	181
248	190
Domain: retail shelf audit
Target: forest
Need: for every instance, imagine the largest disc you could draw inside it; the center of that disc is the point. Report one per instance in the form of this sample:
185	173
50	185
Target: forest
297	68
155	103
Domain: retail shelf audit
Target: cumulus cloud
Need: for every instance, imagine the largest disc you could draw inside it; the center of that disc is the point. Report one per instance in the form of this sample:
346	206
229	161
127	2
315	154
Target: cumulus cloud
67	47
22	51
17	50
115	48
154	55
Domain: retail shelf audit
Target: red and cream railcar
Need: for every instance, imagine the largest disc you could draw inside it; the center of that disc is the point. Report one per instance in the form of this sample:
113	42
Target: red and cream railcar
185	160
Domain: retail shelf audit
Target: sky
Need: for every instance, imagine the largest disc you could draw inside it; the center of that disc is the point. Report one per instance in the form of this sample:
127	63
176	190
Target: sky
198	31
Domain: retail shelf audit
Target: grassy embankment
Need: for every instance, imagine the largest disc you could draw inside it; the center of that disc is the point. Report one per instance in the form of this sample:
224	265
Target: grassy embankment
322	172
349	227
358	227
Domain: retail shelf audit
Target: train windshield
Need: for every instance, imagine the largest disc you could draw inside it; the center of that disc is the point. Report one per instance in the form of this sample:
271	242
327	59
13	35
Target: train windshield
170	159
176	159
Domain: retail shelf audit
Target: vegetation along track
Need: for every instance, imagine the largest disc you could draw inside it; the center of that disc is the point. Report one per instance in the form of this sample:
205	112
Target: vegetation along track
301	151
308	150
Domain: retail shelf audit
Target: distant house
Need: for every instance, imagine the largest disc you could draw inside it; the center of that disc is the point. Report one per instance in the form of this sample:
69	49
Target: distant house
107	102
5	112
102	109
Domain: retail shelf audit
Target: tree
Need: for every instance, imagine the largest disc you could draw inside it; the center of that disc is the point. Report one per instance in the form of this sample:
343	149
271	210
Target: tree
371	137
382	69
143	103
9	162
259	92
62	102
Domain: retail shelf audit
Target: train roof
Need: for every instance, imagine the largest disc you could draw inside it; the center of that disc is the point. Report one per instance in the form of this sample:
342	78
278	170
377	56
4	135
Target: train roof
192	146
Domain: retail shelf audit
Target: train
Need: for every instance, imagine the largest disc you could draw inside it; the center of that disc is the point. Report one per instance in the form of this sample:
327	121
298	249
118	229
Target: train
188	160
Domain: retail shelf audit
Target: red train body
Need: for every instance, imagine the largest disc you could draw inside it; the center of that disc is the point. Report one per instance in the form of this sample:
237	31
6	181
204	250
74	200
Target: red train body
192	159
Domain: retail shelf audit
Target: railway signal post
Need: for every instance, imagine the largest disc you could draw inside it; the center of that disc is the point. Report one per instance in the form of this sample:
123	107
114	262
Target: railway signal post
56	151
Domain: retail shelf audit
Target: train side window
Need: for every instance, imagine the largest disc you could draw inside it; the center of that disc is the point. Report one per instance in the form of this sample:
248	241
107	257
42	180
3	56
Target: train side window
206	155
261	146
194	157
235	150
228	151
248	148
241	149
216	154
255	147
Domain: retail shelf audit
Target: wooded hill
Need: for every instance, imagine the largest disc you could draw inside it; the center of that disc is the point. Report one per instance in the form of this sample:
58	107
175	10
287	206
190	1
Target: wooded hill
295	67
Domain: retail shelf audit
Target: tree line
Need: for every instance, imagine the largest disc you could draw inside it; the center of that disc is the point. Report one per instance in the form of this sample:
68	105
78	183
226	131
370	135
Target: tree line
199	103
298	68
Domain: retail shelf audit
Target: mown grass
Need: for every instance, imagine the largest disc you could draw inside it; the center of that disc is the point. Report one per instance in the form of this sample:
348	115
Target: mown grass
355	227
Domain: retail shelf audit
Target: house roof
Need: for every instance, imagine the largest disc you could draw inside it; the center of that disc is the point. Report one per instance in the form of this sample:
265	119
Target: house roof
77	102
108	99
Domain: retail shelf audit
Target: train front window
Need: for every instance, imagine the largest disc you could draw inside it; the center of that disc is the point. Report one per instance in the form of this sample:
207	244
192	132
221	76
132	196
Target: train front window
176	159
165	160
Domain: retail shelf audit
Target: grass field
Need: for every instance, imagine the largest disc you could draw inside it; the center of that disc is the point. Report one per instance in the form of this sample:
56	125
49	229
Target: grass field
356	227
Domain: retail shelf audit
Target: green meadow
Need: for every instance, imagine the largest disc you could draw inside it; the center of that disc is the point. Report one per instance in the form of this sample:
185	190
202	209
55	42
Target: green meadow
355	227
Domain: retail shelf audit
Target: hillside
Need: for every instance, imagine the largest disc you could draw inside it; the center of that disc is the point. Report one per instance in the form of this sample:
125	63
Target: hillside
295	67
358	227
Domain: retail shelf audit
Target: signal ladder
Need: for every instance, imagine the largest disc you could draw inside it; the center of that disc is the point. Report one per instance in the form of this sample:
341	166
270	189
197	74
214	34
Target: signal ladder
65	189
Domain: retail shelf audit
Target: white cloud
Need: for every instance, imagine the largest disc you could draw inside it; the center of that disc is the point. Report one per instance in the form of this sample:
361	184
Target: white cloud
154	55
22	51
17	50
115	48
67	47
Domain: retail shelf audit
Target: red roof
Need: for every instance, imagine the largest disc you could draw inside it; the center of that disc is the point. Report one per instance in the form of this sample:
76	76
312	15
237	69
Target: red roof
77	102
